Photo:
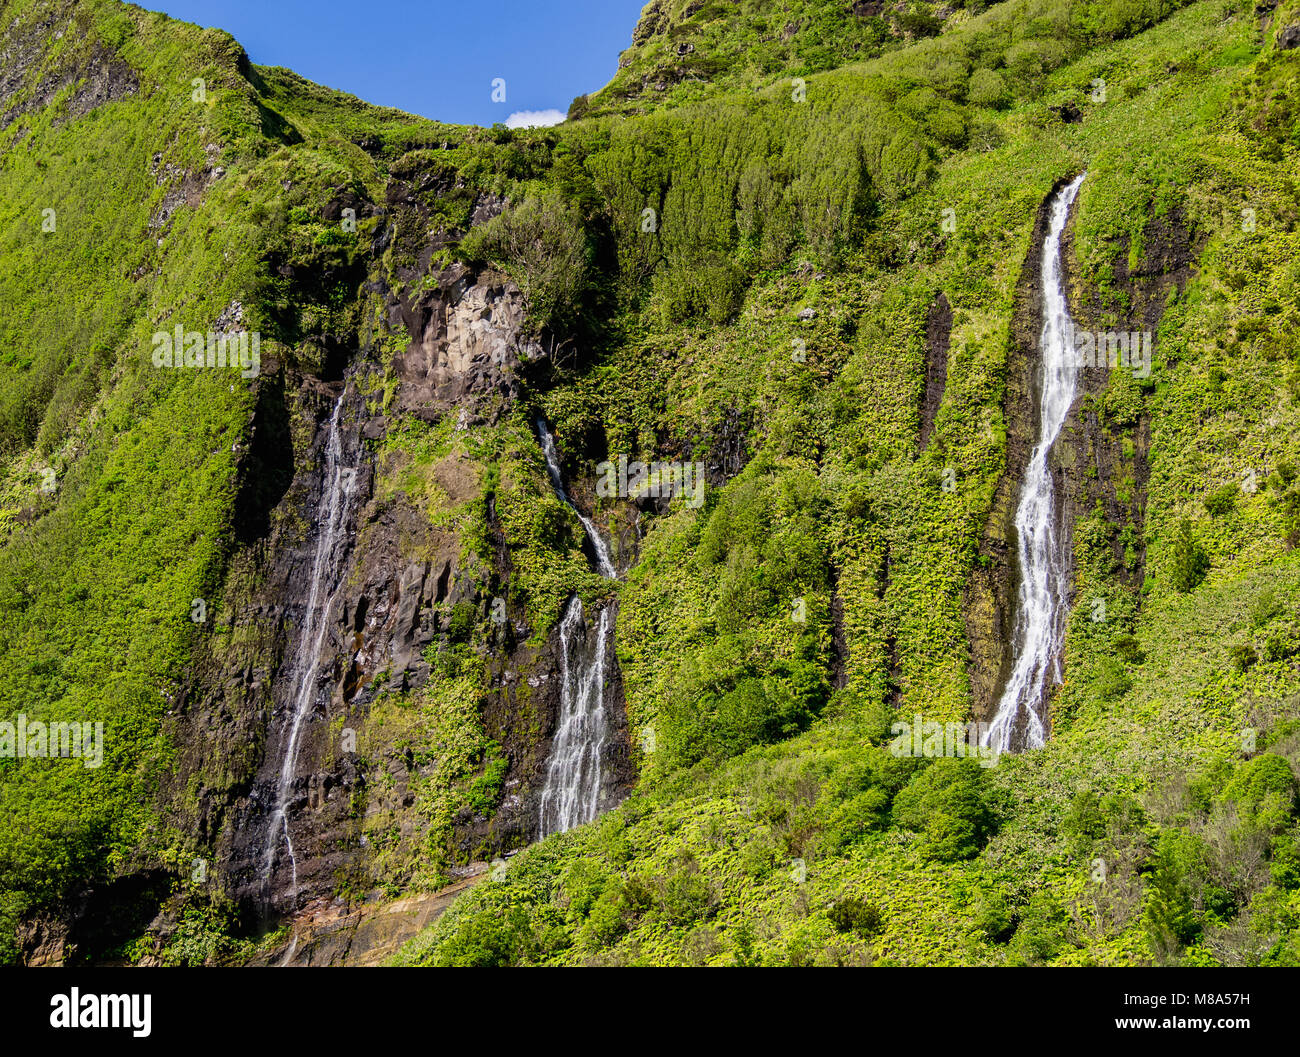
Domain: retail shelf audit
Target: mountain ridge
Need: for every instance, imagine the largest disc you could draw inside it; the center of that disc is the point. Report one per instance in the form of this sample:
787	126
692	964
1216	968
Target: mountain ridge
740	274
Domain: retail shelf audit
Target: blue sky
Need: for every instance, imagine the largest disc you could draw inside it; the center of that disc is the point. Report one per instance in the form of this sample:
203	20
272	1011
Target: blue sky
436	58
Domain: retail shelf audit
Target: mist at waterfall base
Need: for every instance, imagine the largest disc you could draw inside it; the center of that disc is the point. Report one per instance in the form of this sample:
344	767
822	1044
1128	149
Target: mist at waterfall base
1043	596
571	793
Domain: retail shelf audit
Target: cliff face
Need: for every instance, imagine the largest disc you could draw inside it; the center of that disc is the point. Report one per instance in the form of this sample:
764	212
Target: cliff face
435	694
317	605
401	582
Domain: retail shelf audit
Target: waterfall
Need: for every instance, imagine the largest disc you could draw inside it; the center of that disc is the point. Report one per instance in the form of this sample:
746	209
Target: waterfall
1043	596
604	565
338	488
572	788
571	793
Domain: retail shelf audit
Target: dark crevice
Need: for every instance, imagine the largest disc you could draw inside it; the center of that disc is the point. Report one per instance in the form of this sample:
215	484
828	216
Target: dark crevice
938	333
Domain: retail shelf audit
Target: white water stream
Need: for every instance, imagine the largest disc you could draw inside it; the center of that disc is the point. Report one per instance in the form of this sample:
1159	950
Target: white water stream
572	789
338	488
571	793
1043	597
604	565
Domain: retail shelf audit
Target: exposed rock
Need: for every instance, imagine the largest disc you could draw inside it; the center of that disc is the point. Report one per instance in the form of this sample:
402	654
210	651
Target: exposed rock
1168	248
100	77
653	20
487	207
184	187
331	932
466	341
938	332
346	198
43	941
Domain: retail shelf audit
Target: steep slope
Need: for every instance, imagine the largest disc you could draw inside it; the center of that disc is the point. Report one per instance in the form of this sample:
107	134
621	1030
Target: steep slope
684	50
156	581
827	300
1158	822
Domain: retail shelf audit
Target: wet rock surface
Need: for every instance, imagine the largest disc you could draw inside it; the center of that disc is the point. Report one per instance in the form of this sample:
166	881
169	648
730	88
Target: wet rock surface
938	333
332	932
1084	442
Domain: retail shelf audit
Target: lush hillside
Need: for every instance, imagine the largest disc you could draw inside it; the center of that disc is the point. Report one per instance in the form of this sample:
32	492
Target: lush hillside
826	848
820	289
684	50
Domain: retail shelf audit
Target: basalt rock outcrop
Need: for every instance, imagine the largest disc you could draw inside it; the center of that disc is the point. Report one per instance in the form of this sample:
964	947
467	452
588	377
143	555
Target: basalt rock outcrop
465	335
95	73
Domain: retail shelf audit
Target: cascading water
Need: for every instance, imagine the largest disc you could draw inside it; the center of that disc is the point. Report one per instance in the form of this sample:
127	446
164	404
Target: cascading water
571	794
338	489
1043	597
572	789
604	565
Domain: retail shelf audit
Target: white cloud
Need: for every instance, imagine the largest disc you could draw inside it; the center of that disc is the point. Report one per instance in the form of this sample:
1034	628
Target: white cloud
534	118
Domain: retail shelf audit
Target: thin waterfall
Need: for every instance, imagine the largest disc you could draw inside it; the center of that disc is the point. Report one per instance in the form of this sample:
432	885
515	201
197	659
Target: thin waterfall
604	565
338	489
571	793
1043	597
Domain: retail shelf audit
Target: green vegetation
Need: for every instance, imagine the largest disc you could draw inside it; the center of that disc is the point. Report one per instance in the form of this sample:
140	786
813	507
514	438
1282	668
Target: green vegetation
738	270
1005	865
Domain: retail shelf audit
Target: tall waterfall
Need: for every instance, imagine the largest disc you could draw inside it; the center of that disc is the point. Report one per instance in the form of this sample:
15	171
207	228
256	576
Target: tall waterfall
571	793
1042	601
338	489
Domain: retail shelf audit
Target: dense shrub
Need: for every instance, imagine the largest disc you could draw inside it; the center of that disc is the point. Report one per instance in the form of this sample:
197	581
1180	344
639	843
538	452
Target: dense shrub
1043	930
1189	563
993	917
1168	912
541	242
1263	789
1222	500
950	803
987	88
855	915
489	940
